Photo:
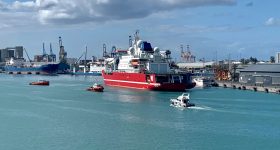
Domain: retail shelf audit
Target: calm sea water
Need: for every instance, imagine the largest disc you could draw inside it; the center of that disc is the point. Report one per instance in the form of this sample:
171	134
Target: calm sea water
64	116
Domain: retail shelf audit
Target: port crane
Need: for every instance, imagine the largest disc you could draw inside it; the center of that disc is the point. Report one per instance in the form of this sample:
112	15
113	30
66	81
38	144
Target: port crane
52	55
75	65
27	55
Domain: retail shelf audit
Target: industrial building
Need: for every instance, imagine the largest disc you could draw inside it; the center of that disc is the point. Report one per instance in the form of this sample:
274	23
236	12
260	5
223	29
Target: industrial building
9	52
261	74
195	65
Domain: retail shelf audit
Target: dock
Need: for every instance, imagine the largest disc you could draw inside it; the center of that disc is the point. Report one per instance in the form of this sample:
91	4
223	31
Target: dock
255	88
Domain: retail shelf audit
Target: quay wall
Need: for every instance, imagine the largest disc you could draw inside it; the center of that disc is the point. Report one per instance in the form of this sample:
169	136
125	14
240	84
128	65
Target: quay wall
256	88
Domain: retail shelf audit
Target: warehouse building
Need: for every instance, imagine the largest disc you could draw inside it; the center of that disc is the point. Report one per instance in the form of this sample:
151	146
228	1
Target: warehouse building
11	52
261	74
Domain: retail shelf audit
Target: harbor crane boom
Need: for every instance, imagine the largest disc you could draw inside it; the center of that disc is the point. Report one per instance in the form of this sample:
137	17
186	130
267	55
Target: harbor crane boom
27	55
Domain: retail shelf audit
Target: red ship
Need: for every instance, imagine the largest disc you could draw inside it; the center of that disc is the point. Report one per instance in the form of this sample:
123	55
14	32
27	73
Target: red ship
144	67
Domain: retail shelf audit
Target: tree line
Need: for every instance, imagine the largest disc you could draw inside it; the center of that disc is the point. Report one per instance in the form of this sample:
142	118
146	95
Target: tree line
254	60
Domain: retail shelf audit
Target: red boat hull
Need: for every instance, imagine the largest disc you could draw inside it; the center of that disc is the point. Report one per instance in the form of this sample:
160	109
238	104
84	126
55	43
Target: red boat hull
139	81
45	83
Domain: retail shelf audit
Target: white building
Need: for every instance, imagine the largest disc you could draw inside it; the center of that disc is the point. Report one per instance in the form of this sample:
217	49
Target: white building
277	58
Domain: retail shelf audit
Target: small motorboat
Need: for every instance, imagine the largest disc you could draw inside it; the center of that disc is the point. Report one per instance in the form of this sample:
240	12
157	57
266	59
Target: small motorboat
202	82
182	101
41	82
96	88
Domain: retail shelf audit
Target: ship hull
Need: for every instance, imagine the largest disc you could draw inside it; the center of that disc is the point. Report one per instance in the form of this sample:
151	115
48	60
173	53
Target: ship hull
87	73
43	69
139	81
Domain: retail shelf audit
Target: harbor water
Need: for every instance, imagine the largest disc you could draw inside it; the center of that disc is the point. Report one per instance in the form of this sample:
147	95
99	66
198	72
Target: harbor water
64	116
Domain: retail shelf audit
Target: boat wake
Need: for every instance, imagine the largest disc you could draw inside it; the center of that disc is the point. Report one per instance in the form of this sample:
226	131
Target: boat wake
201	108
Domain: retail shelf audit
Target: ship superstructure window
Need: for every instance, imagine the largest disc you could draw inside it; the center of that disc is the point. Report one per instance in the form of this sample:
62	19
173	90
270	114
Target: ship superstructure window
145	46
162	79
176	79
148	78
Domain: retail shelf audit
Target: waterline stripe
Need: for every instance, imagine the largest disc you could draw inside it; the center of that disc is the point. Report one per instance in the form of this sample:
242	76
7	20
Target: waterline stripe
157	84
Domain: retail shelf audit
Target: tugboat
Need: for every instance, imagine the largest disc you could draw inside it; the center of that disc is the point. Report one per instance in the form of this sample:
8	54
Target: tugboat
144	67
40	82
96	88
182	101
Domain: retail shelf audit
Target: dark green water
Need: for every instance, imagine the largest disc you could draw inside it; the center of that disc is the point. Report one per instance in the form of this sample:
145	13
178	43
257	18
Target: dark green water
64	116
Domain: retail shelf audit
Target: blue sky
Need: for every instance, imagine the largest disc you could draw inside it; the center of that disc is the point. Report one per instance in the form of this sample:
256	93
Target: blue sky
239	28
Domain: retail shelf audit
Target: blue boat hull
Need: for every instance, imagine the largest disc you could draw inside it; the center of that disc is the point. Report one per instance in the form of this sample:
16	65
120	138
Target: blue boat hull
87	73
43	69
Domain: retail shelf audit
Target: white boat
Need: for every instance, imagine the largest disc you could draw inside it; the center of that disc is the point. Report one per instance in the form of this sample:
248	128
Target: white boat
201	82
96	67
182	101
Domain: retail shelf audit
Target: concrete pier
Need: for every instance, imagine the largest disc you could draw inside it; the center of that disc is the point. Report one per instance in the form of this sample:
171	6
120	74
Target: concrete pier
19	72
255	88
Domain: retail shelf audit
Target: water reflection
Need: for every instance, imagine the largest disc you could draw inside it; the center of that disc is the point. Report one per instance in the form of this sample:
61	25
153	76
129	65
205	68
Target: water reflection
129	95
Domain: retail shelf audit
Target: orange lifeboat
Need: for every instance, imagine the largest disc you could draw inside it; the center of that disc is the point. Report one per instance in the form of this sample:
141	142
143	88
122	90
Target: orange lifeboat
40	82
134	62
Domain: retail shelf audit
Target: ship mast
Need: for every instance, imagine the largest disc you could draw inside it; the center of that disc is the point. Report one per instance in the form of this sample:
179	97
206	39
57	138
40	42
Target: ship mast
104	50
85	60
130	41
136	36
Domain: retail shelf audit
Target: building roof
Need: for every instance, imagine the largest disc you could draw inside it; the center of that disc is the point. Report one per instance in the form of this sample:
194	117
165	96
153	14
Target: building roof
195	64
275	68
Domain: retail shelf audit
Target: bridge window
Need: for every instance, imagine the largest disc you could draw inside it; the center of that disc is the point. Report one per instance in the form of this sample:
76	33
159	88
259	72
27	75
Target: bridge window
146	47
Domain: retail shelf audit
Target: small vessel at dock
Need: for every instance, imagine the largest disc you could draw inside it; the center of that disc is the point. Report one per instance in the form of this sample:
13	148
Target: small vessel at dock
202	82
96	88
93	68
41	82
182	101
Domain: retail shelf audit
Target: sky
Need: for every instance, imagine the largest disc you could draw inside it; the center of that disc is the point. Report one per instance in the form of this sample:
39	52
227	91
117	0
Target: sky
213	28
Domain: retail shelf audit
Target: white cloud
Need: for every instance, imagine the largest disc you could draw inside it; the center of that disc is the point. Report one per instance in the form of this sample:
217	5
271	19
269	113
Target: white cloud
80	11
201	29
272	22
17	19
22	5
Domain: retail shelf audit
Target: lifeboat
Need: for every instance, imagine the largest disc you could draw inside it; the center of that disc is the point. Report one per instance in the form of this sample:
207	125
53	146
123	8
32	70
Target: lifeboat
40	82
134	62
96	88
